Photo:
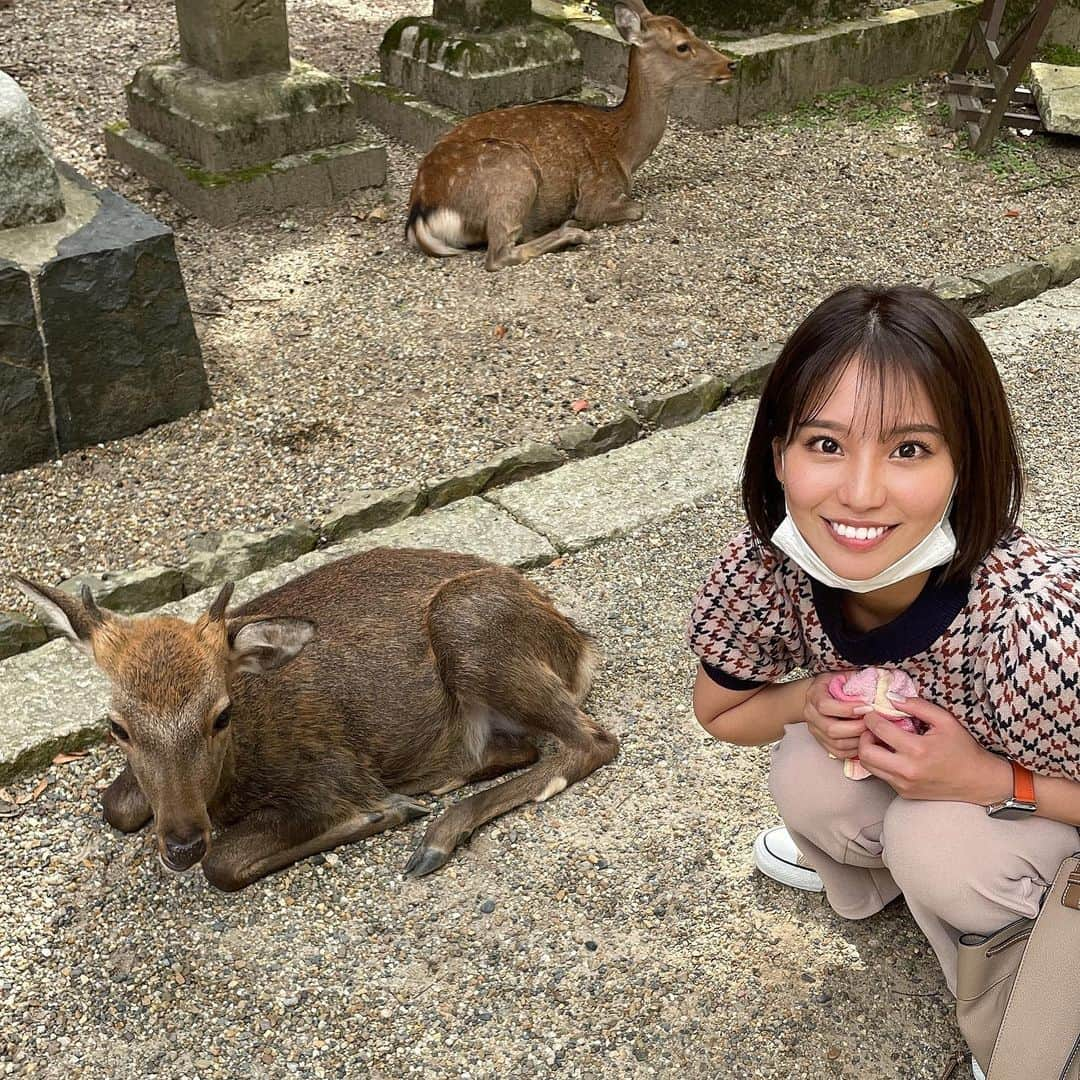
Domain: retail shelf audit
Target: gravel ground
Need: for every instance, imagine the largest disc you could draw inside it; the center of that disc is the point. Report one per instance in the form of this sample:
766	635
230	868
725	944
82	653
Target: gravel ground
339	359
616	931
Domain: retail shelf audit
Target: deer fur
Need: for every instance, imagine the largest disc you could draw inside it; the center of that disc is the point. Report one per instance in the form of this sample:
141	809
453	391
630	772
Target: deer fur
309	716
555	169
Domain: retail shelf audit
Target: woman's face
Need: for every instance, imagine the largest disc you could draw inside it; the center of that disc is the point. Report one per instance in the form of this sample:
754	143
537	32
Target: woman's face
861	496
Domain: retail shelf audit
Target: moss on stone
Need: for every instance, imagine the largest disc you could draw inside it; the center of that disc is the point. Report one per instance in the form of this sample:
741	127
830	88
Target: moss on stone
207	179
117	127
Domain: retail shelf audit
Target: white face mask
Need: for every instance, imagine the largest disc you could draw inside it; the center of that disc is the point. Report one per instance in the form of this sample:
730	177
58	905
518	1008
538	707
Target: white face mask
937	547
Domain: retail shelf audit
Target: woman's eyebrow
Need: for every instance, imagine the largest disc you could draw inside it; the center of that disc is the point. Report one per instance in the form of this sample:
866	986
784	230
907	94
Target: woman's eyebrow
892	433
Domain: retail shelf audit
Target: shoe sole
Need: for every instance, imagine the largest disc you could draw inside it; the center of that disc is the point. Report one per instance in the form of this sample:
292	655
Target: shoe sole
772	866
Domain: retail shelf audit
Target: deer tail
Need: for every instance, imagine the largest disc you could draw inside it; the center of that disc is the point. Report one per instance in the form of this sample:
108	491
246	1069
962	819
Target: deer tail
436	231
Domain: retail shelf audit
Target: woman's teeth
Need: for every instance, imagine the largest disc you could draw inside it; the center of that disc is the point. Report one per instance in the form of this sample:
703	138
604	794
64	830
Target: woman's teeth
850	532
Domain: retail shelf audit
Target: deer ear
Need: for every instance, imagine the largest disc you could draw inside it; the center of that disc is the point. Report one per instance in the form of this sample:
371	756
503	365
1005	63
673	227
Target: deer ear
628	22
77	619
265	645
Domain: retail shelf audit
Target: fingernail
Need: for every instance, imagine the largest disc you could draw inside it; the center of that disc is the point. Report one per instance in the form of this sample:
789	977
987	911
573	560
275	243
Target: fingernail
862	710
898	698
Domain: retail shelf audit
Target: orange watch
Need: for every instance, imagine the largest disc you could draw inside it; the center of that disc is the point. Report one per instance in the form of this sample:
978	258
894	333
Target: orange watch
1022	804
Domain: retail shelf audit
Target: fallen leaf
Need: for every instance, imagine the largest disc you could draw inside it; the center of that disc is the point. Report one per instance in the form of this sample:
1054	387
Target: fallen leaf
33	796
500	331
6	796
1012	212
63	759
380	213
579	406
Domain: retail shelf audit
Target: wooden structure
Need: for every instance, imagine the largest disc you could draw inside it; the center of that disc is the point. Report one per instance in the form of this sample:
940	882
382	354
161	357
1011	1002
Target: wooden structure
983	105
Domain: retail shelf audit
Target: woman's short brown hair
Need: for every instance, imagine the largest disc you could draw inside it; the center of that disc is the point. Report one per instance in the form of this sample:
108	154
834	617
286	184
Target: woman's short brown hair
902	336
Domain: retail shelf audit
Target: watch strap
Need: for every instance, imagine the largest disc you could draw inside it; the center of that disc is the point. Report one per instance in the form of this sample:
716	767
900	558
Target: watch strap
1023	783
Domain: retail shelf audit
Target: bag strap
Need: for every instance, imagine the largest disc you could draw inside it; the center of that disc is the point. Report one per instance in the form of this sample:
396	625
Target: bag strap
1046	967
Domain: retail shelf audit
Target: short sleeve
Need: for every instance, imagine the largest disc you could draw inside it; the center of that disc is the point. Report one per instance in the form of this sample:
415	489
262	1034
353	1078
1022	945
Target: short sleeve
742	622
1032	683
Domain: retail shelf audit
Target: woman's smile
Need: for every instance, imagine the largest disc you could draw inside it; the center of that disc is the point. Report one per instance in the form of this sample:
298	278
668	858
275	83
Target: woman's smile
858	536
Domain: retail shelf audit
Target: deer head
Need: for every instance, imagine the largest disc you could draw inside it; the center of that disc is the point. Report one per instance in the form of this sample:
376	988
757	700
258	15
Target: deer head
671	52
172	683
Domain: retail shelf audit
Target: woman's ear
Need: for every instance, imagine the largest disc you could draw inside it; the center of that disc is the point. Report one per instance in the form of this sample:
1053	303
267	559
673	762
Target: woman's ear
778	460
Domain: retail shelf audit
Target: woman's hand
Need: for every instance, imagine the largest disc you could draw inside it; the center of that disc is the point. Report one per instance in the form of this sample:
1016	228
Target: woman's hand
835	724
945	763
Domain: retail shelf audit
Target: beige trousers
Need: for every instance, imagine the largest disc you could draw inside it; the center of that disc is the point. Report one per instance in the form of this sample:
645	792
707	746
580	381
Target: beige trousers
959	870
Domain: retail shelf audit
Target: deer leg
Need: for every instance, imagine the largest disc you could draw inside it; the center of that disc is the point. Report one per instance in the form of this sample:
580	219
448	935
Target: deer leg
612	210
126	807
583	747
503	754
263	843
502	251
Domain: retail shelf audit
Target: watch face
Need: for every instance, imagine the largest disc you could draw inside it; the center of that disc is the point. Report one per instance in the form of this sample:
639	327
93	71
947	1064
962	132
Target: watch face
1013	812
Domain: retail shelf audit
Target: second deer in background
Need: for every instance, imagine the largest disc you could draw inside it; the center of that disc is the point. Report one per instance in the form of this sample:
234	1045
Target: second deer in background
552	170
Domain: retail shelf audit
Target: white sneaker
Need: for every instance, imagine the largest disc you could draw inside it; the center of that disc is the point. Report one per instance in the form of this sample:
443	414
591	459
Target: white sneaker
777	857
976	1072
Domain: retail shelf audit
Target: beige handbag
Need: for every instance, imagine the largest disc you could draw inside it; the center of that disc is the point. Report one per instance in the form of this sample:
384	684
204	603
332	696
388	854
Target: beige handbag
1016	999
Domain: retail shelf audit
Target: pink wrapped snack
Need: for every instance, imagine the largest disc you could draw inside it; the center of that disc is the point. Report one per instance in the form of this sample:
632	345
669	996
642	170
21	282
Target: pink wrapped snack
872	686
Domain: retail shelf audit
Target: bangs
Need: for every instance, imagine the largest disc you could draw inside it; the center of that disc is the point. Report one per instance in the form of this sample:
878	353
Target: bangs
893	373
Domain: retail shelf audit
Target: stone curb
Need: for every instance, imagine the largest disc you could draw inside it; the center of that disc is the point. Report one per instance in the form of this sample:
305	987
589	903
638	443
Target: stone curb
133	591
777	71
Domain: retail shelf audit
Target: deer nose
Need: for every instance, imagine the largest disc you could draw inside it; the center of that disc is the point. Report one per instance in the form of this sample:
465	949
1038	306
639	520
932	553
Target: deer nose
183	852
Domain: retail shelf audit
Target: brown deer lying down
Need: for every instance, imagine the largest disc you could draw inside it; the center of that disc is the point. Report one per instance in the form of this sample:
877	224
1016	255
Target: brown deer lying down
554	169
307	717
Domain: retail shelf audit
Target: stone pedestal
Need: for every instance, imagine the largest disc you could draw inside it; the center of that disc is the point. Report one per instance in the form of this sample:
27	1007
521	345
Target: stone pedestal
1057	94
469	56
233	126
96	335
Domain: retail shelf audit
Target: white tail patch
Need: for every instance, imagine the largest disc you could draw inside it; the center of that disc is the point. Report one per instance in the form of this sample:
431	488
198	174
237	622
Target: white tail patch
555	785
440	232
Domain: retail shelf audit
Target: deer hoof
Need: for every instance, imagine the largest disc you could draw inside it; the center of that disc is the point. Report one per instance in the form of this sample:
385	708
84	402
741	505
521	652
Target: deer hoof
407	809
425	860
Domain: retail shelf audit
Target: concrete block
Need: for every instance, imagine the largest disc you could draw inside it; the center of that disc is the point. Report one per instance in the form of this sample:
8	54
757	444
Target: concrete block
680	406
237	125
122	351
26	431
315	177
1014	282
411	119
123	354
372	508
1057	95
471	72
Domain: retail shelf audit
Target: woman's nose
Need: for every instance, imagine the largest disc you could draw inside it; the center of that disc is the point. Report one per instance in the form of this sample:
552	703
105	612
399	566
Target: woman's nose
863	487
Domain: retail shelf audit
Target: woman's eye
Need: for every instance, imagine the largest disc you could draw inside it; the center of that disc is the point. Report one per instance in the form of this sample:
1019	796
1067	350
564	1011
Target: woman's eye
118	730
222	721
824	445
911	450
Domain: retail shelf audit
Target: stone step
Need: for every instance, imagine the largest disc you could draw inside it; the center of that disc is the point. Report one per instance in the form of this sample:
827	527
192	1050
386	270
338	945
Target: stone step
623	491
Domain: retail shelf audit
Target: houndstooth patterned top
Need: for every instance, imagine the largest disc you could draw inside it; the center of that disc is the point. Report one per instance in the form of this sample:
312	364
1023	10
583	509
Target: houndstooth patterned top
1000	652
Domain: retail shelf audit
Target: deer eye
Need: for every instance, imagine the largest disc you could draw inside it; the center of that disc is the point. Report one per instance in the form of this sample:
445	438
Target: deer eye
119	731
222	721
683	47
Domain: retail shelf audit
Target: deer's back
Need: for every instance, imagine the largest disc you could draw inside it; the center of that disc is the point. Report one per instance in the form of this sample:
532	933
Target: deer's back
565	143
369	677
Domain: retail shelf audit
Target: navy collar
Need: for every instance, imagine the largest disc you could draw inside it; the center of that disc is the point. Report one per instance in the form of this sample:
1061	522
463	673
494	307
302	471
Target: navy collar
913	631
